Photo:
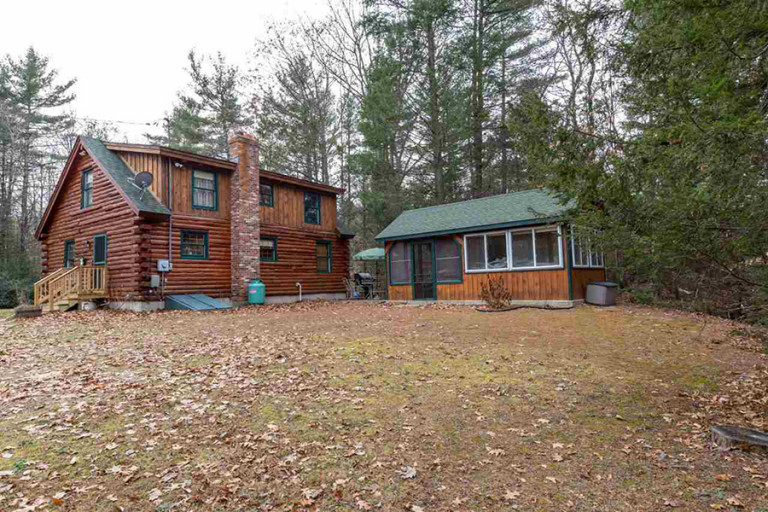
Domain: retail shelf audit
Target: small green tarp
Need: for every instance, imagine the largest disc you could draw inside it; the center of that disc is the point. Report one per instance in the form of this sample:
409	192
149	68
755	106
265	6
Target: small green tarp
374	254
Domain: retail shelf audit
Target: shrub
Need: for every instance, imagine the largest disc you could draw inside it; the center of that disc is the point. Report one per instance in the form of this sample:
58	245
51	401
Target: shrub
495	293
7	293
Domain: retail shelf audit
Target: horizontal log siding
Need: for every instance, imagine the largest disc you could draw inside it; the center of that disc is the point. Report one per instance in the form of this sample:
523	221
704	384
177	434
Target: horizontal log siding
523	284
110	214
296	262
211	276
582	276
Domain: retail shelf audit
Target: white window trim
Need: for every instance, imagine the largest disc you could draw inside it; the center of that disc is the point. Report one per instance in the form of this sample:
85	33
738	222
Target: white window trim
588	253
510	256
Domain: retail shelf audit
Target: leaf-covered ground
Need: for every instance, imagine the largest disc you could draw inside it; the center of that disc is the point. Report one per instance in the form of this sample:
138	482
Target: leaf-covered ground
378	407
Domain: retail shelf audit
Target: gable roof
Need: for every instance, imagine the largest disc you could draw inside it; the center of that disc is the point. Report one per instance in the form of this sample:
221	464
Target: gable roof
219	163
116	171
502	211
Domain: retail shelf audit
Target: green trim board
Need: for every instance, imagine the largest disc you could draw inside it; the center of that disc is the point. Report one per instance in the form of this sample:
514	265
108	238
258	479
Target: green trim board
182	244
96	240
215	206
329	256
315	197
272	239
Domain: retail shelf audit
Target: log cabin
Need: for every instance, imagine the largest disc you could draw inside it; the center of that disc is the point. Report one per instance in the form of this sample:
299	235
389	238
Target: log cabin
204	226
447	252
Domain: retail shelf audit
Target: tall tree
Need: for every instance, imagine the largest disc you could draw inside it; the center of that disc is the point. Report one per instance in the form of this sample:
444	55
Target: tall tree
210	111
34	93
298	105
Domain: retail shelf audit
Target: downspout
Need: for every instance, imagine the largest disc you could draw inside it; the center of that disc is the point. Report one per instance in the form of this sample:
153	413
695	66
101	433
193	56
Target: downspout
170	219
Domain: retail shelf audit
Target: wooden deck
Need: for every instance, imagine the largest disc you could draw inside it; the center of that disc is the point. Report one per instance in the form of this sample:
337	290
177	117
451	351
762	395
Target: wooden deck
66	287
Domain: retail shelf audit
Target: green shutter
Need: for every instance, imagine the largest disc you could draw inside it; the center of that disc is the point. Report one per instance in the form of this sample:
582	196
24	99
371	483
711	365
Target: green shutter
100	246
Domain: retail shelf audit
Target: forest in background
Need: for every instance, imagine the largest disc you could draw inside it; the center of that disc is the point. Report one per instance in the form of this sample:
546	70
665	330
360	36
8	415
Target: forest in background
648	115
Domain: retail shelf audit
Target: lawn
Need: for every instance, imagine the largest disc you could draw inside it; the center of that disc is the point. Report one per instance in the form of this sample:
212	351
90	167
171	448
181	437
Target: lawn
379	407
6	313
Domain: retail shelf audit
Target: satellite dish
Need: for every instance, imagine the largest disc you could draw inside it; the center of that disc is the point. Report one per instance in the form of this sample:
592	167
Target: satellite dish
143	180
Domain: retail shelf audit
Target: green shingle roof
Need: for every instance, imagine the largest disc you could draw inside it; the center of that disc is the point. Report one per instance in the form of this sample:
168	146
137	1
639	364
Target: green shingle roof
122	175
506	210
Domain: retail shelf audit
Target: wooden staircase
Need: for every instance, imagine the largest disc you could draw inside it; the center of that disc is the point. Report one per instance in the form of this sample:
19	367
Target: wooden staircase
65	288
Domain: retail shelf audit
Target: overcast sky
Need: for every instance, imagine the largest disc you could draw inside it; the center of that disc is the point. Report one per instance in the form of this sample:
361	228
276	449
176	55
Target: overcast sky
129	57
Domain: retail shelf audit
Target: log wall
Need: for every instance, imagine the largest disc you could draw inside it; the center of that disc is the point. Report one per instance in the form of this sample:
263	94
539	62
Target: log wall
296	262
110	215
210	276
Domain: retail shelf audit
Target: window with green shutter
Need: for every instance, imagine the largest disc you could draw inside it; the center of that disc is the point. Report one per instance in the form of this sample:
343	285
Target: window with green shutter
204	190
100	249
69	254
86	189
312	208
324	254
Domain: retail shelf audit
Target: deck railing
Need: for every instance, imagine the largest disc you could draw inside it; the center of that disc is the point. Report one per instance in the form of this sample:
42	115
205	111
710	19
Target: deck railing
71	284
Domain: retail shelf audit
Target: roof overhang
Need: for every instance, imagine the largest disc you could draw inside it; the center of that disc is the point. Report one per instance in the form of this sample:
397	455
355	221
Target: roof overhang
172	153
219	163
473	229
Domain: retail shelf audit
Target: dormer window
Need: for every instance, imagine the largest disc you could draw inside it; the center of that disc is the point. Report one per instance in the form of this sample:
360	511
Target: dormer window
86	189
204	190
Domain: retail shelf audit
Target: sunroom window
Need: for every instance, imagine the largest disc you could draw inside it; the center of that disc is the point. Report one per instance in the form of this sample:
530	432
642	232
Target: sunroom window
448	261
514	250
399	264
585	254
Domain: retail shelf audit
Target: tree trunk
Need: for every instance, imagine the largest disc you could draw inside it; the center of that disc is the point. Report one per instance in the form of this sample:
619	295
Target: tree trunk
477	102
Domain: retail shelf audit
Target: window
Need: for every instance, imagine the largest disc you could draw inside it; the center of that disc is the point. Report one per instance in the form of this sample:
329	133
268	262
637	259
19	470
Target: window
448	260
69	254
266	194
514	250
583	253
547	248
86	189
204	185
323	253
311	208
475	252
100	250
522	249
487	252
399	264
268	249
194	245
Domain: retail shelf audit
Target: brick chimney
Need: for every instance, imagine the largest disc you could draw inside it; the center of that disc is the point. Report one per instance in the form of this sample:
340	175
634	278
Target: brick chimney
245	233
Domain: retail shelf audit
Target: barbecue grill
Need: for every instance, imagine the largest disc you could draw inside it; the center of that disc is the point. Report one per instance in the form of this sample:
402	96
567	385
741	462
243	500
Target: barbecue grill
365	281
